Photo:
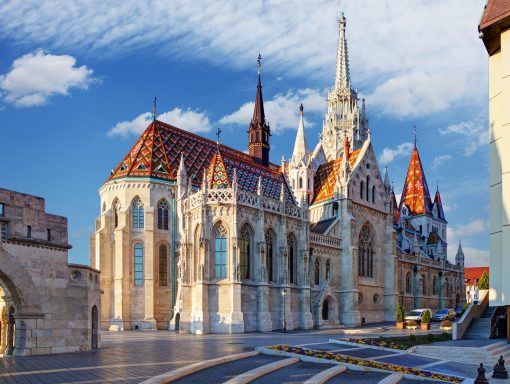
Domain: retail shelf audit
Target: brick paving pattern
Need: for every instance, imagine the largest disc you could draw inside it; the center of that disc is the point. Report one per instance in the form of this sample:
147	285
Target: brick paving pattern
355	377
293	374
408	360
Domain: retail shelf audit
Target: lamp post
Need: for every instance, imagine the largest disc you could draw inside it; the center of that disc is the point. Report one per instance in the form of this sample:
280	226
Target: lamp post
284	293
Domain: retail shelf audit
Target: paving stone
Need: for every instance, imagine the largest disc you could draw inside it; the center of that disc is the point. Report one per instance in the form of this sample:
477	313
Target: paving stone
355	377
457	369
408	360
224	372
293	374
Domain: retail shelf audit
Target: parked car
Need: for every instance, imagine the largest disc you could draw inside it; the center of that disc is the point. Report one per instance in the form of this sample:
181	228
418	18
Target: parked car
417	314
459	310
444	314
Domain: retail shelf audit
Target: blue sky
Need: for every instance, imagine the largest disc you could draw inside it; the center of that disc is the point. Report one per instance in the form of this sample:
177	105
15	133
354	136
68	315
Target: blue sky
77	84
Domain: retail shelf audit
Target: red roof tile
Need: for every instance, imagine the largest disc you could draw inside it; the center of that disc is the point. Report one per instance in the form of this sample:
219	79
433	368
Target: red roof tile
471	273
415	194
494	11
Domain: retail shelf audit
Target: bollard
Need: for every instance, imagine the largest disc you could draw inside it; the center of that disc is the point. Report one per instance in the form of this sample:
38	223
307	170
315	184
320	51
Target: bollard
500	371
481	379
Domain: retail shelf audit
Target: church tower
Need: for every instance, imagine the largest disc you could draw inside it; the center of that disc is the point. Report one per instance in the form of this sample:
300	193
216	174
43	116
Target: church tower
345	119
301	170
259	131
459	257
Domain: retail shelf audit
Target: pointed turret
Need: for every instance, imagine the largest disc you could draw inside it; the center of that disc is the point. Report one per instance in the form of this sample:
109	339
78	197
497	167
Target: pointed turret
342	78
259	131
217	176
415	194
459	257
396	211
438	206
387	184
301	151
182	178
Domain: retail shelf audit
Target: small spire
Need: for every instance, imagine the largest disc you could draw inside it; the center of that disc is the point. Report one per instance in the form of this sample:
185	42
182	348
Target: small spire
259	186
415	133
300	146
386	178
282	193
342	60
259	64
154	108
234	180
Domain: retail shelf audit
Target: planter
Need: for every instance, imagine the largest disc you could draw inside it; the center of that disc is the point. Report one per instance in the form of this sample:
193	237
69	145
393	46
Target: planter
401	325
425	326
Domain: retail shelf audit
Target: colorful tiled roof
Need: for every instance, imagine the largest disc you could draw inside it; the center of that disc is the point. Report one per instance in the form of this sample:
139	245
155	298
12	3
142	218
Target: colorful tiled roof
415	194
474	273
494	11
217	173
439	204
157	153
326	176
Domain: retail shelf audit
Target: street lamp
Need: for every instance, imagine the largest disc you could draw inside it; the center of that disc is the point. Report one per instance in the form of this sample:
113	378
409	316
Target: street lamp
284	293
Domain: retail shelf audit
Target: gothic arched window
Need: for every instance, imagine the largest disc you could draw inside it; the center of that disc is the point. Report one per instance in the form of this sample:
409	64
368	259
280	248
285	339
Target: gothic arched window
220	252
317	272
138	264
366	252
163	265
163	215
138	218
373	194
270	240
408	282
244	249
368	188
116	209
328	270
300	182
291	243
361	189
435	286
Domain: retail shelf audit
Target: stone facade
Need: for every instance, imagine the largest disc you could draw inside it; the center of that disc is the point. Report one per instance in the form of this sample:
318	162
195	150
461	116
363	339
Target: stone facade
46	304
202	238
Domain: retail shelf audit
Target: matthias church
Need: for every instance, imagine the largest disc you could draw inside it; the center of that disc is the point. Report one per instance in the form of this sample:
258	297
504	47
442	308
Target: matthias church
200	237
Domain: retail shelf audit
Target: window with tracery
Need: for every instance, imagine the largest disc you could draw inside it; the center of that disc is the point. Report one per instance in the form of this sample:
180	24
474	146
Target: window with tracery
138	218
368	188
163	215
138	264
408	282
317	272
366	252
373	194
244	248
361	189
163	265
291	243
116	209
220	252
270	238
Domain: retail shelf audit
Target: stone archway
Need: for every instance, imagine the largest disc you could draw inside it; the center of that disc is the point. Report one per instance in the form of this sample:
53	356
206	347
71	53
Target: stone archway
325	310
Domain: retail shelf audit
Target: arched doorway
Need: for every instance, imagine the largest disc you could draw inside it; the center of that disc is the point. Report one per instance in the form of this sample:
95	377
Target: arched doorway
325	310
177	321
95	330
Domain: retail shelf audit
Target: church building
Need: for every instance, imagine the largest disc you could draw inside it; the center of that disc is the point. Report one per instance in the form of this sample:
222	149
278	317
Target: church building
202	238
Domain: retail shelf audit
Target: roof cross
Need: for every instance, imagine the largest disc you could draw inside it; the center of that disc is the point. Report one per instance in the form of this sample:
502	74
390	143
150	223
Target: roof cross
218	133
259	61
415	133
154	108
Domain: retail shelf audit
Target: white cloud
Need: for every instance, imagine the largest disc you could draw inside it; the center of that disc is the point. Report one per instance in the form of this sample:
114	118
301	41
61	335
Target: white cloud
35	77
193	121
389	154
474	134
438	160
405	64
473	256
282	111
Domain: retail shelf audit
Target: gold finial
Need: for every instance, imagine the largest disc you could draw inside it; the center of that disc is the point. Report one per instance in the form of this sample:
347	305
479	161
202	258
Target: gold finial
154	108
301	109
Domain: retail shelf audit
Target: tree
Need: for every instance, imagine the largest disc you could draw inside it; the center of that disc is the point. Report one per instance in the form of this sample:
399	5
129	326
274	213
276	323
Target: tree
483	283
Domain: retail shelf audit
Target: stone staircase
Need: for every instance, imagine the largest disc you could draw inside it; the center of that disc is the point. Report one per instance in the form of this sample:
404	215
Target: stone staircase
480	329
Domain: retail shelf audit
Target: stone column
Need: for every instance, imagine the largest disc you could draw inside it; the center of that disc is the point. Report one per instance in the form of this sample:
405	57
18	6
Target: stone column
10	335
117	322
151	252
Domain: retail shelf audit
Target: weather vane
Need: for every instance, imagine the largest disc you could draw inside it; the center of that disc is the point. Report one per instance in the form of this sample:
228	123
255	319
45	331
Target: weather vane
218	133
154	108
259	61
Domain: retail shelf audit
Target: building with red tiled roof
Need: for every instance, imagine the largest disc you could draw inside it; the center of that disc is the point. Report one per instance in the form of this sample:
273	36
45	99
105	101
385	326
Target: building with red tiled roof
472	277
197	236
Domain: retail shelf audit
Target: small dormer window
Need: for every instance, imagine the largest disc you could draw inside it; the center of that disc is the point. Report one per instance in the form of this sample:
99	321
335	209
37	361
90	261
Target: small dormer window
123	167
141	167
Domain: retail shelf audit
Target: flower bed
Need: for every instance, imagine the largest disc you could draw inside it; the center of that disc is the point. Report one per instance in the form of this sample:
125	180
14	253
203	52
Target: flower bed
402	342
366	363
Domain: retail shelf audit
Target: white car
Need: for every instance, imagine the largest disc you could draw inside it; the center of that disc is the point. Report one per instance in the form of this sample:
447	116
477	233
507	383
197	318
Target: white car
417	315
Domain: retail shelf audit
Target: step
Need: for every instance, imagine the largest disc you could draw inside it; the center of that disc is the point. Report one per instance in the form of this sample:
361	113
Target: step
221	373
325	375
295	373
495	345
254	374
350	376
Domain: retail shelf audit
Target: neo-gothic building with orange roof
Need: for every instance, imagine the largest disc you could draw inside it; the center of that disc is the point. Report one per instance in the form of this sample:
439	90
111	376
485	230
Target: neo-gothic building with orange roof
200	237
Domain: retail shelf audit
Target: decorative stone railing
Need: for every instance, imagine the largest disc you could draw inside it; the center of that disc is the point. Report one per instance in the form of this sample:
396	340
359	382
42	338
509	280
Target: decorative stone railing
228	196
422	260
325	240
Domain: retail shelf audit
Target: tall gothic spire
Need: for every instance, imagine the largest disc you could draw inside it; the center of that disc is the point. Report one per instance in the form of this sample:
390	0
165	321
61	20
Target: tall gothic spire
342	79
259	131
300	146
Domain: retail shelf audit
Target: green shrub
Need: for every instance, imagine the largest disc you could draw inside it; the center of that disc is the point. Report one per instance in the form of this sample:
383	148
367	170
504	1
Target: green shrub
483	283
426	319
431	338
412	338
401	314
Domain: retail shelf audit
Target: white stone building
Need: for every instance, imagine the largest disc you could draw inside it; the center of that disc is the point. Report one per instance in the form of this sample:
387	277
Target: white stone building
200	237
